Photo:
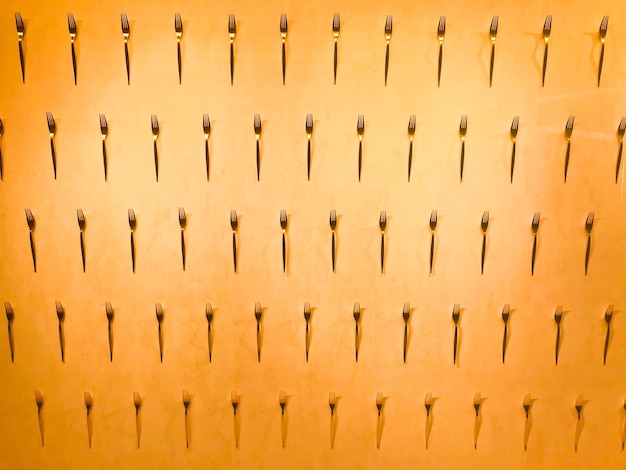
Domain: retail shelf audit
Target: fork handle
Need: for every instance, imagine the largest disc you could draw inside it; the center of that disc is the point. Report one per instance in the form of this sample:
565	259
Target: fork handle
284	60
308	160
587	253
110	334
127	62
332	251
493	56
182	247
600	63
62	341
456	338
406	335
54	157
512	161
74	61
462	158
306	341
482	256
532	263
606	342
386	62
258	161
410	158
104	159
258	341
382	253
232	63
234	252
160	342
82	248
619	160
335	65
432	251
356	341
11	344
284	253
180	79
210	341
504	339
156	159
1	164
19	45
32	250
206	157
439	65
132	249
360	157
558	342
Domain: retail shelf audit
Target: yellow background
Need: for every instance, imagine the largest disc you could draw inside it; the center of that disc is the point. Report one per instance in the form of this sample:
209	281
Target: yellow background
412	89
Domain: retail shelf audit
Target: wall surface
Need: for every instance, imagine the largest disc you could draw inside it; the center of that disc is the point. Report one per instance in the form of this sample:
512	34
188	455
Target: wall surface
538	186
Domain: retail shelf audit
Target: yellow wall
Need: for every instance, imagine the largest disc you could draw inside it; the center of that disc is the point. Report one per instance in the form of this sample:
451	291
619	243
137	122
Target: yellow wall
538	186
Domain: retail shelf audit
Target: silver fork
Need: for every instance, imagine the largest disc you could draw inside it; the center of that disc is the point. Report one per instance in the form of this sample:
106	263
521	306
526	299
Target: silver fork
604	25
382	223
620	137
547	28
30	220
309	132
411	131
514	130
104	131
178	27
232	31
257	132
569	128
441	32
463	132
388	30
52	129
19	24
493	32
336	29
81	225
588	227
206	127
360	129
126	34
283	36
154	123
71	24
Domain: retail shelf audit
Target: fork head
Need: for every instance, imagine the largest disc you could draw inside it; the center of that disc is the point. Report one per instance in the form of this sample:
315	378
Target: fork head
178	25
81	219
206	125
125	26
379	401
547	27
182	217
535	223
104	126
257	124
232	26
428	401
19	24
332	401
484	222
233	219
621	128
580	400
154	124
456	312
382	220
360	124
282	399
477	401
441	28
406	311
208	310
527	402
388	27
493	29
186	398
336	25
333	219
137	400
283	219
411	129
30	219
71	25
558	314
88	401
307	311
283	25
309	124
589	222
38	398
514	127
506	311
52	127
132	220
569	127
8	308
463	126
159	312
234	399
433	220
356	311
109	310
604	25
60	310
608	315
257	311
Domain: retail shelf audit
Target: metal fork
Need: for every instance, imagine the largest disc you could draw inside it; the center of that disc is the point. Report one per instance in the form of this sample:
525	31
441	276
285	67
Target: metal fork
104	131
8	308
71	25
620	136
206	127
456	312
388	30
569	128
39	401
493	31
186	403
506	311
52	128
547	28
360	129
356	313
608	316
283	226
604	24
307	338
109	313
88	406
19	24
208	310
283	36
233	225
154	122
558	316
514	130
484	223
463	132
132	222
406	313
308	126
159	317
232	31
30	220
182	221
257	132
411	131
588	227
333	226
81	225
178	27
336	29
257	315
433	226
126	34
382	223
535	227
441	32
61	317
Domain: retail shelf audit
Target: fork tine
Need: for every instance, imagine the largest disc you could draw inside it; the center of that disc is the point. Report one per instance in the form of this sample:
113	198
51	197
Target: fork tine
441	27
493	29
336	23
547	26
71	23
388	25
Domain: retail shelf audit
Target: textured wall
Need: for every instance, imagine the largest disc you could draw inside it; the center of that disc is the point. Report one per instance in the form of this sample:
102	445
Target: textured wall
28	182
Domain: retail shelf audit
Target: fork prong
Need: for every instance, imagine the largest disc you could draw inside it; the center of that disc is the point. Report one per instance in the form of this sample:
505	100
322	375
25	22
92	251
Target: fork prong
547	27
493	28
104	127
206	124
283	23
182	217
309	123
283	219
360	124
154	123
433	220
232	24
569	126
19	23
132	220
51	123
463	125
382	221
456	310
233	219
441	27
71	24
388	25
589	221
484	222
336	23
604	24
257	124
621	128
535	222
514	126
81	218
125	24
178	24
411	128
